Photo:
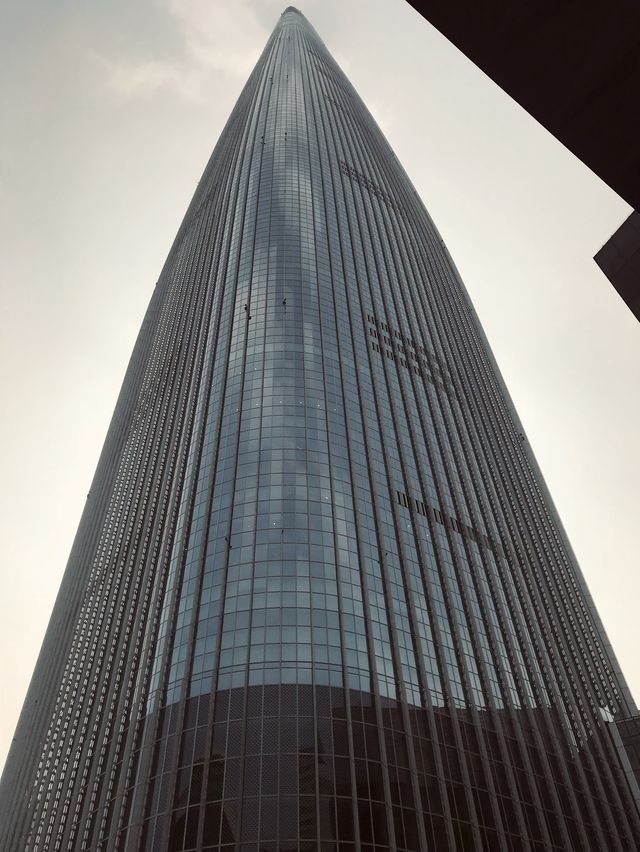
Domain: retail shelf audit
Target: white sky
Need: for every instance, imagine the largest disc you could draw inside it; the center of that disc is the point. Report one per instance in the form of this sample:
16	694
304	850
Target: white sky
110	113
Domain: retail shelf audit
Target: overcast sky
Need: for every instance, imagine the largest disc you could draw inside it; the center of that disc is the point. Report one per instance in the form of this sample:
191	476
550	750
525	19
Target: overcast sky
110	112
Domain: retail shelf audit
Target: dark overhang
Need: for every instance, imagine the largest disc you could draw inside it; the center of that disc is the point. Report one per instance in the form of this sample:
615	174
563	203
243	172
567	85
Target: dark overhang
574	65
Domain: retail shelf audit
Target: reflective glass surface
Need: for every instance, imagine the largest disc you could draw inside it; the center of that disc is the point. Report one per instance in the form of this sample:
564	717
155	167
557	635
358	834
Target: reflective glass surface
326	602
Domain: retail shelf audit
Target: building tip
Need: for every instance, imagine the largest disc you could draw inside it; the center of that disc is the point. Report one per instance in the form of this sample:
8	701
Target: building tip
292	9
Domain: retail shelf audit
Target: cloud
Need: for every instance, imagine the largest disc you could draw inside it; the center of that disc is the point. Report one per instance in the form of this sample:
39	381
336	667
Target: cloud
214	37
220	35
132	79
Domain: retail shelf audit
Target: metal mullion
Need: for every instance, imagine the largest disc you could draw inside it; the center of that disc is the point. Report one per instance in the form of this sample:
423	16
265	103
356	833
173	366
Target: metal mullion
91	522
419	665
148	731
470	621
452	410
489	629
209	260
544	527
221	239
170	424
107	573
430	716
462	667
128	742
464	485
171	429
364	582
408	596
303	60
534	496
550	528
572	690
364	586
583	781
261	83
226	239
154	322
241	159
443	584
264	85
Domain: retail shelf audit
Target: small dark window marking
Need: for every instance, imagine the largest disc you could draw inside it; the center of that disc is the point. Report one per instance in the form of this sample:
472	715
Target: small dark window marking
403	499
421	508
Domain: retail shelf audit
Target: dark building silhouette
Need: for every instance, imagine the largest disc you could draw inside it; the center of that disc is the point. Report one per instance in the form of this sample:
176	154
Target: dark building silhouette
319	597
574	67
619	259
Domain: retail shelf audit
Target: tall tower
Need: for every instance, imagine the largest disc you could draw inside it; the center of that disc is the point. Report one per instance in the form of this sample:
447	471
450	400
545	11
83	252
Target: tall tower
319	597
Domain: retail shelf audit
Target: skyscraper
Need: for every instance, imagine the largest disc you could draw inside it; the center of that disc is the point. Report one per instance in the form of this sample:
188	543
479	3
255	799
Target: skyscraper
319	597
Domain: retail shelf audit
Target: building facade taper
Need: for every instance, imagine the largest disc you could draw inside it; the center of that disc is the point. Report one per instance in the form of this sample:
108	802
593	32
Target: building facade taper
319	597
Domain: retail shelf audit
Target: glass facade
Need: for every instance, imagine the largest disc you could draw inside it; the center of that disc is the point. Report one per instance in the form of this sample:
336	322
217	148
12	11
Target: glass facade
319	597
